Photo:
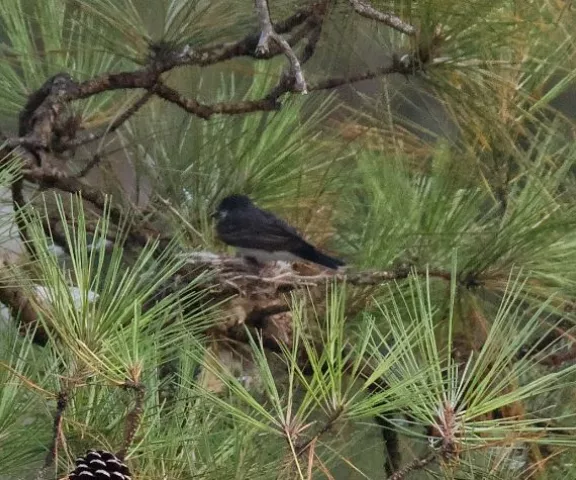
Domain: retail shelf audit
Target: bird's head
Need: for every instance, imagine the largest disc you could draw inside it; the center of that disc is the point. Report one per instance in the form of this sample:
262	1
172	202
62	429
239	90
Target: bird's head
230	203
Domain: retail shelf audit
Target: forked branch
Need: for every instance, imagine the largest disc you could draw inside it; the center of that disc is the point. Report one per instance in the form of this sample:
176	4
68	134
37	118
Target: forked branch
268	35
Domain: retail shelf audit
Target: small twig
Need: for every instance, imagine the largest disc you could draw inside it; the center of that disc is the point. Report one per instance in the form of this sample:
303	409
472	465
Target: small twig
388	19
115	125
333	82
301	448
133	418
267	34
417	464
93	162
52	454
97	157
213	54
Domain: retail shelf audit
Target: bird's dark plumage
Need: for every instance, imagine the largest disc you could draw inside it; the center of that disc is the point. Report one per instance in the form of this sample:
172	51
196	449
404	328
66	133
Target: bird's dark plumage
256	232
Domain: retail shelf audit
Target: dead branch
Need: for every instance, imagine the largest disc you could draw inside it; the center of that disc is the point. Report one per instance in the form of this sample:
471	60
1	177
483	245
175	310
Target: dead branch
54	178
268	35
388	19
213	54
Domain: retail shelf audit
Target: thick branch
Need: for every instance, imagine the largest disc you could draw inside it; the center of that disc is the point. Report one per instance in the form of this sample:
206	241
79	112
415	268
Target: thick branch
39	116
206	111
37	123
388	19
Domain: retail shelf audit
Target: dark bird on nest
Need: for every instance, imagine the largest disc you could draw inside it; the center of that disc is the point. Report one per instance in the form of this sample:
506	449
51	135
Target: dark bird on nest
260	236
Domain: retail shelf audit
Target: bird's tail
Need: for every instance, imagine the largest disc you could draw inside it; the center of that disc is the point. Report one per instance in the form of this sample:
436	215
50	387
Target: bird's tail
308	252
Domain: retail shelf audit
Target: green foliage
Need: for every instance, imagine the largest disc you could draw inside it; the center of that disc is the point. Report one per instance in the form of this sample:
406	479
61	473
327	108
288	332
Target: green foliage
482	212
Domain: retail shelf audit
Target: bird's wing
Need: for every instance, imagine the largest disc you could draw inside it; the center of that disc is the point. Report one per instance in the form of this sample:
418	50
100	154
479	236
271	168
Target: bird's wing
259	229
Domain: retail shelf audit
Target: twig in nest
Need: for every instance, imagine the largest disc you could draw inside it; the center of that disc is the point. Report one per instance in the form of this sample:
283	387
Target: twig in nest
133	418
388	19
267	34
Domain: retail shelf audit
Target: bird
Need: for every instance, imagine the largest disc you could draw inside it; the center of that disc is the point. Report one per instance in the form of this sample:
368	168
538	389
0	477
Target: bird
260	236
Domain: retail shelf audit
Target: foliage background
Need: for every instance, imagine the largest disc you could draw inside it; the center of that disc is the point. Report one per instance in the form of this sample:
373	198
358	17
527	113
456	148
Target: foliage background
463	171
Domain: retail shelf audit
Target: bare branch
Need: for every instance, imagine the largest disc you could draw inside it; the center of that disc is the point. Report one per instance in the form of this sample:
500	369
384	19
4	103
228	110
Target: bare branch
221	52
233	274
267	35
95	160
339	81
206	111
387	19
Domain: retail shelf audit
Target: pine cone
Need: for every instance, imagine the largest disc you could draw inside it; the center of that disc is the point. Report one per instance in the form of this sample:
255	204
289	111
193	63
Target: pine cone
100	465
